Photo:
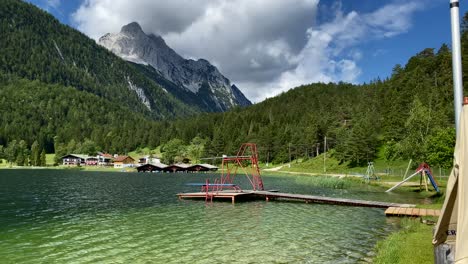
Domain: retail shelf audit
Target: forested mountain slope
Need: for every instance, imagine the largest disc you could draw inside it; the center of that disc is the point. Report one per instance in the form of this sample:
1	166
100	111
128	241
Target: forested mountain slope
36	46
408	115
52	113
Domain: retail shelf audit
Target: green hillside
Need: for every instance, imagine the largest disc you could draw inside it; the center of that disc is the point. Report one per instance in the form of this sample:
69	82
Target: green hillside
34	111
36	46
409	115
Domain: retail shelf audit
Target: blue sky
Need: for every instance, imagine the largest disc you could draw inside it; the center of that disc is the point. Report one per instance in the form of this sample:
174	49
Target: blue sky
270	46
430	29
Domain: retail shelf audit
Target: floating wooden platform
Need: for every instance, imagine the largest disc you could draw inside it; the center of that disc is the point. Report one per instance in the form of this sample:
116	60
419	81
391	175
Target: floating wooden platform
398	211
222	195
268	195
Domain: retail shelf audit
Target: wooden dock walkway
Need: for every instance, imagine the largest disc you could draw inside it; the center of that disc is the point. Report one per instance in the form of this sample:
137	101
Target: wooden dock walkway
398	211
267	195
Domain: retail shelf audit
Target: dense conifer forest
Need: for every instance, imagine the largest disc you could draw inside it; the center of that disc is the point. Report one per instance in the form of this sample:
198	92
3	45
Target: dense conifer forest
34	45
75	104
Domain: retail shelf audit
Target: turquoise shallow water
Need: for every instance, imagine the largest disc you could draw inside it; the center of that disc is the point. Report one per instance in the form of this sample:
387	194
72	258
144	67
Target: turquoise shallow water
66	216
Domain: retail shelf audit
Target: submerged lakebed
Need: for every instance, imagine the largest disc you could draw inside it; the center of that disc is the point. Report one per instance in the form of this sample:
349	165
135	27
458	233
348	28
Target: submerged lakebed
75	216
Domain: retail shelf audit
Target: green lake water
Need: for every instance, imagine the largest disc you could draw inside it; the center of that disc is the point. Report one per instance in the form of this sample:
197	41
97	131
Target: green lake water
68	216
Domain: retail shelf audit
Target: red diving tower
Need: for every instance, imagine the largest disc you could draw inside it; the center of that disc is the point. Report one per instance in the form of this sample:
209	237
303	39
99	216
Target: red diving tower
247	160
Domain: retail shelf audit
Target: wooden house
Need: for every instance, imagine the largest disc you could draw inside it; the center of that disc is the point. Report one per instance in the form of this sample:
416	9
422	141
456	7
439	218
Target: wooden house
123	162
105	159
74	160
148	159
91	161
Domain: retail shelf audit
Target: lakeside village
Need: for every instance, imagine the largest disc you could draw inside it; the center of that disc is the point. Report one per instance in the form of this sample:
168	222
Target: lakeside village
144	164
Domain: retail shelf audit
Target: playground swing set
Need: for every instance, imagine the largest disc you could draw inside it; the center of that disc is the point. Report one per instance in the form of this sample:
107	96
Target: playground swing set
370	173
425	173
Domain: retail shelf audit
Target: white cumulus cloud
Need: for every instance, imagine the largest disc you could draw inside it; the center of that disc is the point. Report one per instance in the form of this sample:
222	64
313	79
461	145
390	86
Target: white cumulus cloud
264	46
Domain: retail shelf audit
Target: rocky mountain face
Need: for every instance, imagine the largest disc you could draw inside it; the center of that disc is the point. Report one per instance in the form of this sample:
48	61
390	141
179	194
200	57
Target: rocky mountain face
184	78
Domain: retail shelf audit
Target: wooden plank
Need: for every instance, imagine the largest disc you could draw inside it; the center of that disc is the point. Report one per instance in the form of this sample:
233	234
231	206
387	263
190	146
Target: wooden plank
401	211
344	201
423	212
390	211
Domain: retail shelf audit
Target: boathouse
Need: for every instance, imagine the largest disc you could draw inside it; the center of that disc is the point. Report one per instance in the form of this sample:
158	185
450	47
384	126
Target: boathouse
202	167
176	168
149	167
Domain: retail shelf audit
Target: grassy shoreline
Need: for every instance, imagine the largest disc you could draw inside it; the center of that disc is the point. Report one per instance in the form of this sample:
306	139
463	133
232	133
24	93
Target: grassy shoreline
412	244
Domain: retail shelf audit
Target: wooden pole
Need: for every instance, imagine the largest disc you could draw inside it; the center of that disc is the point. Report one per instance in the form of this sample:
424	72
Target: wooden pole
268	157
425	180
407	169
420	182
325	155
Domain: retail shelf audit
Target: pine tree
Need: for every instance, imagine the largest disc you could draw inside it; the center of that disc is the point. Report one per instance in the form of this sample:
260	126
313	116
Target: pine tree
11	152
43	158
35	154
22	156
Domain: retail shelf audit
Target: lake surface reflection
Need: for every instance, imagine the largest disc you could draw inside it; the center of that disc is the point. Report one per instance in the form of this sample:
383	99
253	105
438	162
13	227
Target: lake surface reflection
68	216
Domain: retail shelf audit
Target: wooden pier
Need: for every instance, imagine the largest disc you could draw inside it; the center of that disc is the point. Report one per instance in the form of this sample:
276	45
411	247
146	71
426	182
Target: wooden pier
216	195
268	195
412	212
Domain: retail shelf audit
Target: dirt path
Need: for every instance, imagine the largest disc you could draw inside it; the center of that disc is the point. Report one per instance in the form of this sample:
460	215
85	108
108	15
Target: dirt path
308	173
274	169
404	184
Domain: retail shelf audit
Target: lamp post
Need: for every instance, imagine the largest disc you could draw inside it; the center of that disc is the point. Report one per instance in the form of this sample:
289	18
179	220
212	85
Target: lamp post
456	61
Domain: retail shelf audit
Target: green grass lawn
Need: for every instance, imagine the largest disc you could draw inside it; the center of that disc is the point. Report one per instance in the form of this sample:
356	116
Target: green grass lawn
412	244
333	166
145	151
50	159
4	163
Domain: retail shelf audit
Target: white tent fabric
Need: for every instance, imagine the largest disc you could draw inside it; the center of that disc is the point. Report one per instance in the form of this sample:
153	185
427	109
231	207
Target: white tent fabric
453	222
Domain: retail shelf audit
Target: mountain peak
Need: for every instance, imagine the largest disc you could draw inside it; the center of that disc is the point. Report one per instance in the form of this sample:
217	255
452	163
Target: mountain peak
133	27
198	77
